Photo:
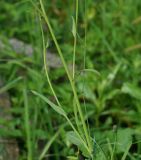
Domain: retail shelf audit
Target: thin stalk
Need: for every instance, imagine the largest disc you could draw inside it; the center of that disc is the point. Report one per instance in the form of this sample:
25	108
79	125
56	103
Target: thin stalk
27	126
47	146
46	69
45	65
75	37
114	147
76	132
48	79
85	52
68	74
76	116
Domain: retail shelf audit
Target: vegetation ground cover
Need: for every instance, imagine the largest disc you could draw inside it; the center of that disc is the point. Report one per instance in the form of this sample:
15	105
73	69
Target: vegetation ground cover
87	107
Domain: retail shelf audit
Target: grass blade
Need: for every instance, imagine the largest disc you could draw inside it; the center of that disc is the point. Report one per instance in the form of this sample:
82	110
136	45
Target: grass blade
126	151
47	146
88	139
58	109
10	85
27	126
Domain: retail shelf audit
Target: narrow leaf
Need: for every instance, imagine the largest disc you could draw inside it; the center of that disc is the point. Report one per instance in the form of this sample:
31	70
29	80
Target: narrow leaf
74	139
47	146
93	71
10	85
73	27
132	90
126	151
54	106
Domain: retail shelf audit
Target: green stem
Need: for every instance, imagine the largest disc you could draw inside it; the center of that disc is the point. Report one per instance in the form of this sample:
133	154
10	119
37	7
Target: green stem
75	38
69	76
27	126
46	67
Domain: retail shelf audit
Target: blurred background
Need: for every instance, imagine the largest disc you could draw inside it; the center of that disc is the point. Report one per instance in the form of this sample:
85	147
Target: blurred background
108	45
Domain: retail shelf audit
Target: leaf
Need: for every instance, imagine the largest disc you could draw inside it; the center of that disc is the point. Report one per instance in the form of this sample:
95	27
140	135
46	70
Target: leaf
47	146
10	85
27	125
63	113
111	94
74	139
126	151
58	109
73	27
93	71
113	74
72	158
124	138
132	90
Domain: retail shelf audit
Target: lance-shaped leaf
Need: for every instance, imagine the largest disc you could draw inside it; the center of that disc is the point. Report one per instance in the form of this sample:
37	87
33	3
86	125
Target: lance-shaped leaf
54	106
132	90
74	139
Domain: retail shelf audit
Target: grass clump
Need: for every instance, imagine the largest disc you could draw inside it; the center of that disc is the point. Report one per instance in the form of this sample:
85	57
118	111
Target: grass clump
88	106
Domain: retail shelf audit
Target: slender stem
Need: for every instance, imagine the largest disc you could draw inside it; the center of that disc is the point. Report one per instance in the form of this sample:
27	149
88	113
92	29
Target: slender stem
69	76
45	65
48	79
85	52
27	126
75	37
76	132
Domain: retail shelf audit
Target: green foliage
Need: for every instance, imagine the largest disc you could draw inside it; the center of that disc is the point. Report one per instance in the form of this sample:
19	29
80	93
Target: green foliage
96	88
74	139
